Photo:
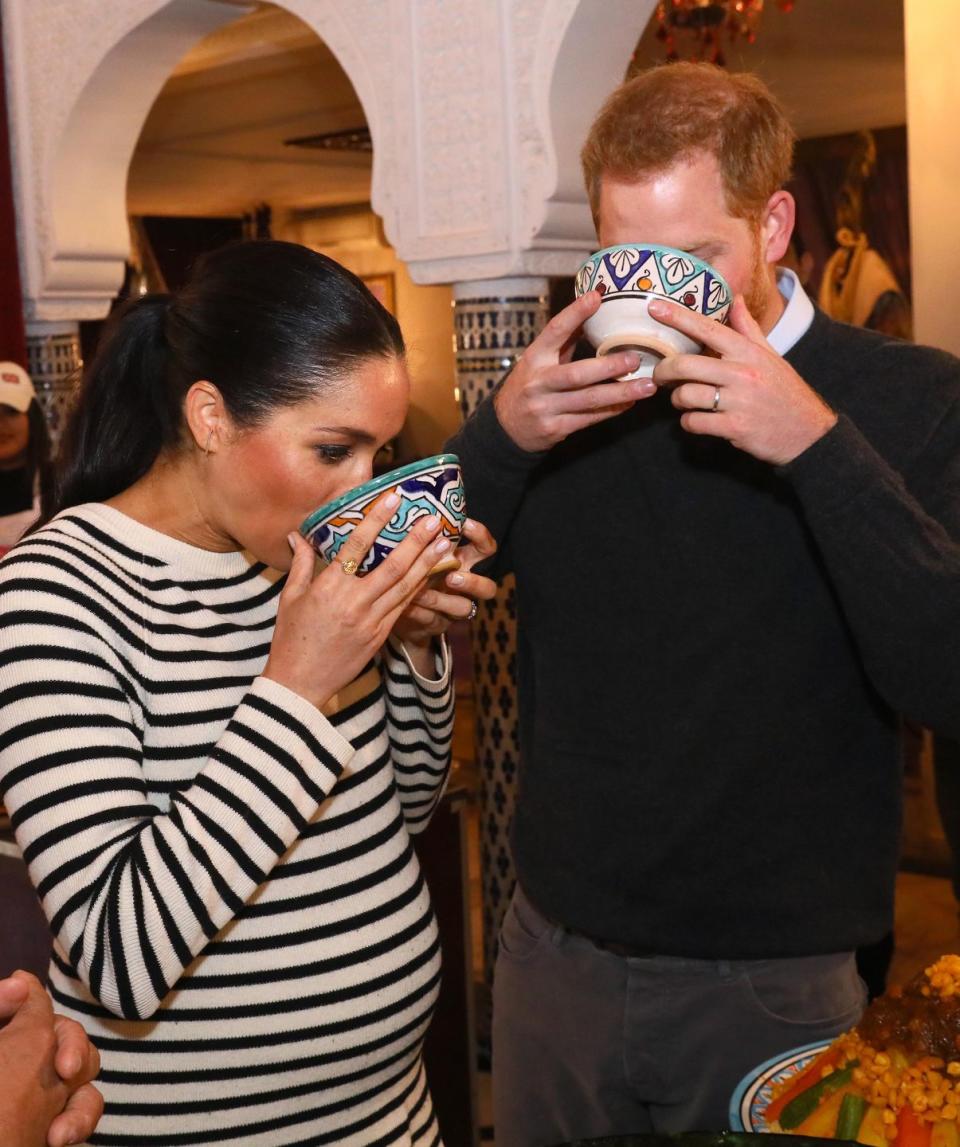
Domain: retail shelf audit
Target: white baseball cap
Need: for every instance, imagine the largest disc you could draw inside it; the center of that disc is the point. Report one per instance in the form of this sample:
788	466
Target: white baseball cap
16	389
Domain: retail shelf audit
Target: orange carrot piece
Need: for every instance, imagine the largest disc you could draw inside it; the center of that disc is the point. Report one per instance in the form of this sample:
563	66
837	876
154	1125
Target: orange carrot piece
912	1131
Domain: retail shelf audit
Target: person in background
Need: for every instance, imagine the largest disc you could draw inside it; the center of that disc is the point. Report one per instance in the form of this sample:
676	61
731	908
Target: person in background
47	1064
216	758
730	580
24	454
24	474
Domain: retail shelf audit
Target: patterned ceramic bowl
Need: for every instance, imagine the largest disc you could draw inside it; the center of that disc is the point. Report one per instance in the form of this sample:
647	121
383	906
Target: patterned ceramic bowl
430	486
628	276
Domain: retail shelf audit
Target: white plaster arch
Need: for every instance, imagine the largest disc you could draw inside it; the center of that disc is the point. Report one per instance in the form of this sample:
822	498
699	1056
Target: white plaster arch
82	78
73	139
476	108
491	103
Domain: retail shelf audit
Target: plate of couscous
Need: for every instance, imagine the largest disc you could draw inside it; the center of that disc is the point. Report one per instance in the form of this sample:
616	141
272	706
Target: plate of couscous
892	1081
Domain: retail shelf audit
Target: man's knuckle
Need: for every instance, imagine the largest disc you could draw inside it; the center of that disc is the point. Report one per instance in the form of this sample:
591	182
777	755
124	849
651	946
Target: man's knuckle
537	406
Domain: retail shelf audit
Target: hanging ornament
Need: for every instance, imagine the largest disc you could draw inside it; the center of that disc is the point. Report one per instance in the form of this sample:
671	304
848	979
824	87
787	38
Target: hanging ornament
696	29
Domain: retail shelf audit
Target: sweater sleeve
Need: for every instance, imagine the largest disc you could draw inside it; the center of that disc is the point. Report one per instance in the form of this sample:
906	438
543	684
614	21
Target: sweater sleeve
420	728
495	475
133	893
892	548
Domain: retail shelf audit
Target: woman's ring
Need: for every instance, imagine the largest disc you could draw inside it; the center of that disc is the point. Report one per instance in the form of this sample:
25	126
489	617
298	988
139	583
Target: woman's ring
716	400
473	611
350	566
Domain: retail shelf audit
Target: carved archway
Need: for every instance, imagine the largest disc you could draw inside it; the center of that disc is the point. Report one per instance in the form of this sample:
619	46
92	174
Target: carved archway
74	138
476	114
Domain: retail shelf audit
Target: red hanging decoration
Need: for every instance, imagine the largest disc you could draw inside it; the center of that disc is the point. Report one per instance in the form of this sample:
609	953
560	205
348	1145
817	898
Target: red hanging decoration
700	26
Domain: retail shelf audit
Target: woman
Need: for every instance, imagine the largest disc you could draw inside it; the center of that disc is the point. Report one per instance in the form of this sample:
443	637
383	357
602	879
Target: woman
214	772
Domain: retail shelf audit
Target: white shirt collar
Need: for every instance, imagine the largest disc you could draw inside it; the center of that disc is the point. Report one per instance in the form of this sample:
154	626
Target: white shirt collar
797	315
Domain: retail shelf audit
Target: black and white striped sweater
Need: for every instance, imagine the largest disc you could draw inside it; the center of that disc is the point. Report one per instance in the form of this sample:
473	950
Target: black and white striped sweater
240	921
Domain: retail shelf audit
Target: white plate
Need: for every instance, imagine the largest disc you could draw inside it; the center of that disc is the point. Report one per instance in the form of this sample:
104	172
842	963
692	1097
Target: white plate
754	1092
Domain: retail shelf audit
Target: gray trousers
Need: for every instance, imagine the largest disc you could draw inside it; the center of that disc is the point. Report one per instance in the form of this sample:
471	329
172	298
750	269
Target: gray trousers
587	1043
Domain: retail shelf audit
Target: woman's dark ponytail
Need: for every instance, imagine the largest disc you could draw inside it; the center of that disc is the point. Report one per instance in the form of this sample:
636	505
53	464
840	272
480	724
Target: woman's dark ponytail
121	417
268	323
39	474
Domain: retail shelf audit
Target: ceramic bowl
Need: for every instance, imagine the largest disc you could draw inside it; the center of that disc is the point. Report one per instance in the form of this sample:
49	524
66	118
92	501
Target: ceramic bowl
431	486
628	276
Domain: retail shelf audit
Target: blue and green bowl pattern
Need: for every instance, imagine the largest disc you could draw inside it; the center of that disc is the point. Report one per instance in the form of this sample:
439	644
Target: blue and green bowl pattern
430	486
651	269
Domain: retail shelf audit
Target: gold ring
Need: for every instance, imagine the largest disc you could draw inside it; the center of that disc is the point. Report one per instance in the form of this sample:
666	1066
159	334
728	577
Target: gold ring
716	400
350	566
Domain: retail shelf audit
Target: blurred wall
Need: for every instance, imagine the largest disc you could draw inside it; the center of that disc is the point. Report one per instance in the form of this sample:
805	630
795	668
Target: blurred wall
933	110
353	237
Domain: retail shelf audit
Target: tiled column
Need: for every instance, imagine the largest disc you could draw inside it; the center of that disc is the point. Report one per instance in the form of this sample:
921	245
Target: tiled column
53	362
494	320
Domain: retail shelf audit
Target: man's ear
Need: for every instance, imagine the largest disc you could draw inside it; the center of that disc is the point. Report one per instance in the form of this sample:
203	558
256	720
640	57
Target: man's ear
776	227
205	415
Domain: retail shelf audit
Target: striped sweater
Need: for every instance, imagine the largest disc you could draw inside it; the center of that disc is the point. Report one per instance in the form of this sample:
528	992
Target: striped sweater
240	921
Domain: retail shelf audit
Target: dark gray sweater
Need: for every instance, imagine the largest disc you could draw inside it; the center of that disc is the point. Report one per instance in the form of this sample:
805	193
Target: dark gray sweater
713	654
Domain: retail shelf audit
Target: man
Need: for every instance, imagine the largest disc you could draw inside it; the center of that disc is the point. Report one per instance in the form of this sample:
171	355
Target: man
722	611
46	1065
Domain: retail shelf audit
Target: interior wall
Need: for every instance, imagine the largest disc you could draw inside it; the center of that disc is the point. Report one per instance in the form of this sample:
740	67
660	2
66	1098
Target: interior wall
353	236
933	102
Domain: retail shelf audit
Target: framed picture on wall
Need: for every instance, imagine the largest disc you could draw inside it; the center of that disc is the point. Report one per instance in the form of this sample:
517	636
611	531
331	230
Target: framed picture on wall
381	287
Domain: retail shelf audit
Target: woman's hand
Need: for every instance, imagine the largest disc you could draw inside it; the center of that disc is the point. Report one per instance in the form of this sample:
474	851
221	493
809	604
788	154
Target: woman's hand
452	596
331	624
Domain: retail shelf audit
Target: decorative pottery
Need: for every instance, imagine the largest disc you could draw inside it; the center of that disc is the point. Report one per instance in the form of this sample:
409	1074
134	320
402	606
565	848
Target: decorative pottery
431	486
628	276
754	1093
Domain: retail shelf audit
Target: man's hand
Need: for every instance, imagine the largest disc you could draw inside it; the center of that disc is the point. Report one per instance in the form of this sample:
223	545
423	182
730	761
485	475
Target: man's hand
749	395
450	597
46	1065
546	397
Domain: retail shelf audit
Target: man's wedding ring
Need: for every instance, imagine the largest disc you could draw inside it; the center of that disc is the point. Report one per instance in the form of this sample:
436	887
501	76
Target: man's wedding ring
716	400
350	566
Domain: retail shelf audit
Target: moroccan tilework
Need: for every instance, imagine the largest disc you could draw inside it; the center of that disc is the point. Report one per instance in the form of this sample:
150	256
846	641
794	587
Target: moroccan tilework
491	331
53	362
